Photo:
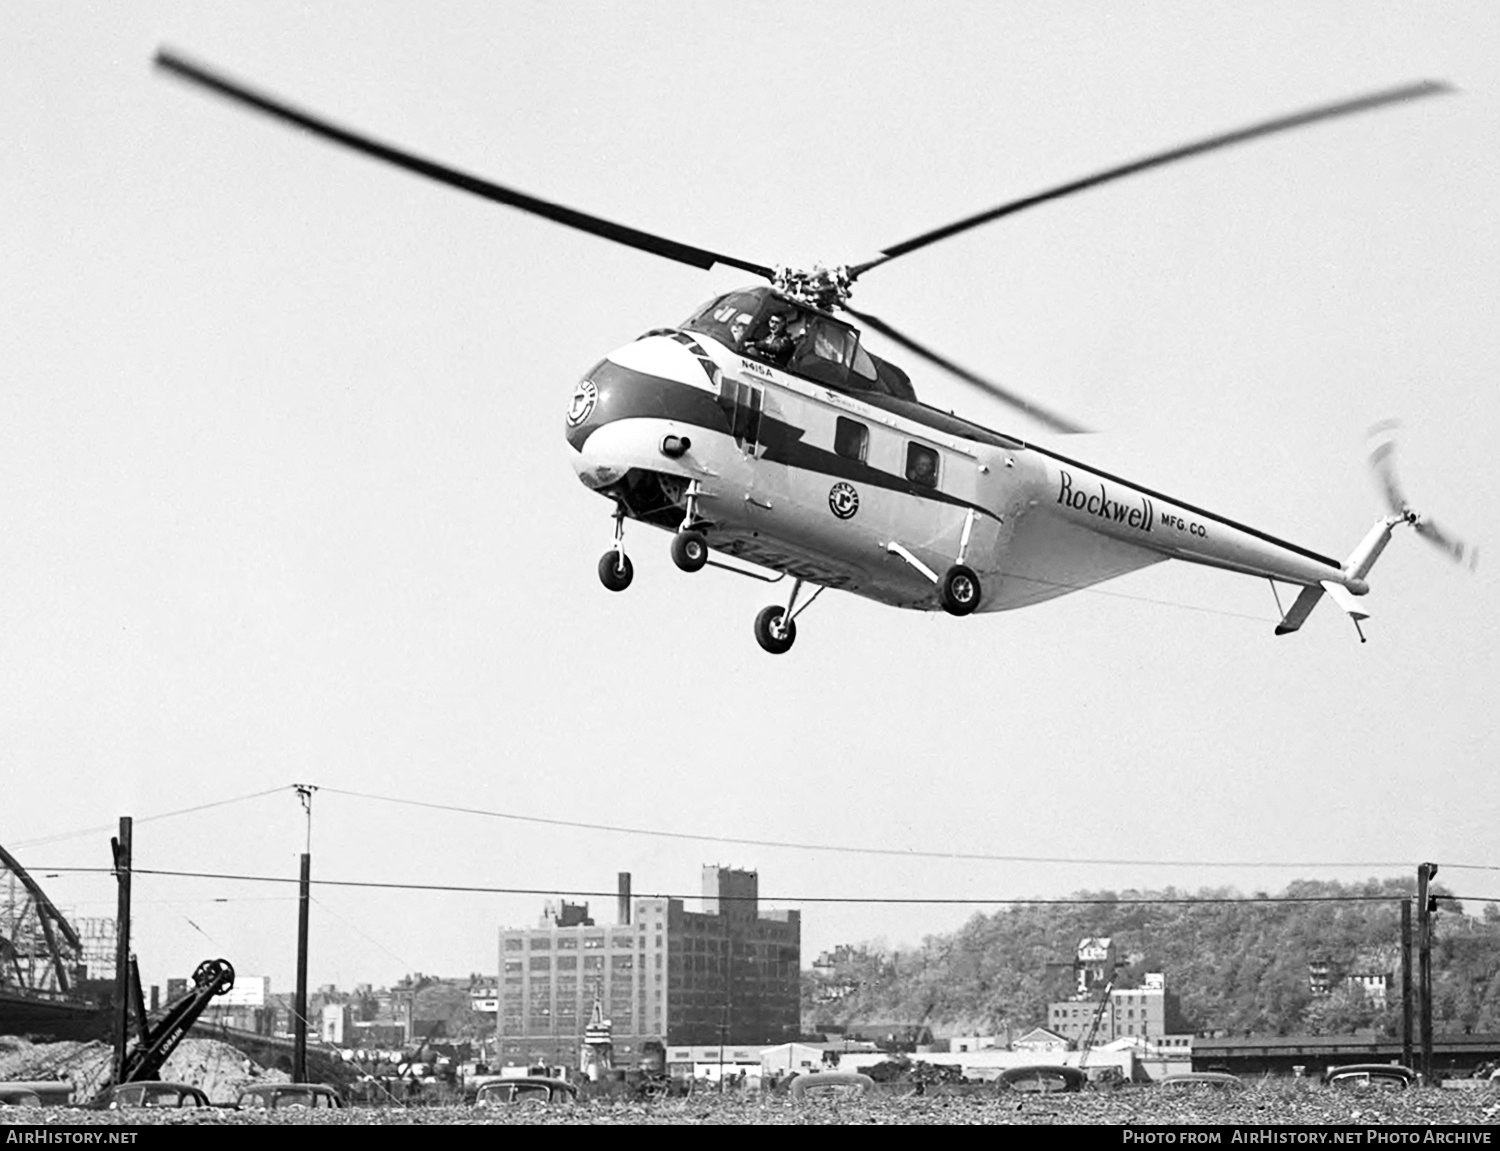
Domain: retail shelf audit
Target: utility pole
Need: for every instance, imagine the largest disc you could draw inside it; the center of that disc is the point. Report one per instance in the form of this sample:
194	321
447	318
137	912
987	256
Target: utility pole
304	895
120	846
1425	872
1406	1047
728	970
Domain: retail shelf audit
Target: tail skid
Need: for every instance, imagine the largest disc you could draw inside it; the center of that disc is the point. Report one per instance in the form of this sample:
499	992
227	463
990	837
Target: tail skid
1342	592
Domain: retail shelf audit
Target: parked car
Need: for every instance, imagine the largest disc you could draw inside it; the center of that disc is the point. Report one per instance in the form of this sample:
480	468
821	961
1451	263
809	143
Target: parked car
153	1094
280	1096
1188	1080
52	1092
1043	1077
831	1082
531	1089
1388	1075
17	1095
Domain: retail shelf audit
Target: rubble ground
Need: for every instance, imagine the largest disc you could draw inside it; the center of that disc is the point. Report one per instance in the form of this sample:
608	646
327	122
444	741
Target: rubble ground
219	1069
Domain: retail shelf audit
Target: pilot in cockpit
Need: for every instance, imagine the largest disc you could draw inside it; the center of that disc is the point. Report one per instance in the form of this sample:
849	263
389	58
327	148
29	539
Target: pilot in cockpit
776	345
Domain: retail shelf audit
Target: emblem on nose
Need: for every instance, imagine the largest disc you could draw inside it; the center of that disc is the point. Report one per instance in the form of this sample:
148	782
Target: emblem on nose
843	500
581	403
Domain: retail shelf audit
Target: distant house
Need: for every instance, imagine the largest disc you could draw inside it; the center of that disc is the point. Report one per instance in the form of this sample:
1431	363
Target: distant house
892	1036
1040	1039
963	1043
791	1058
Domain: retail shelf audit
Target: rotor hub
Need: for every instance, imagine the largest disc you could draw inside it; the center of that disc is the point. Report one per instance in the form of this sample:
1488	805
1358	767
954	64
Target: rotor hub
823	288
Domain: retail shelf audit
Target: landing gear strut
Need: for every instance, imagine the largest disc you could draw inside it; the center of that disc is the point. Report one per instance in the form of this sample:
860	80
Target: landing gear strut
615	570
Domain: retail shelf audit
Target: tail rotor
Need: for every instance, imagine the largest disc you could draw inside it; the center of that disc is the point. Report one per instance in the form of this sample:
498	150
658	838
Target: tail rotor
1383	463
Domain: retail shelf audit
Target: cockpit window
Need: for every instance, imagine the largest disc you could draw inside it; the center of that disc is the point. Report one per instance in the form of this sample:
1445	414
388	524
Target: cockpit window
825	349
766	326
728	319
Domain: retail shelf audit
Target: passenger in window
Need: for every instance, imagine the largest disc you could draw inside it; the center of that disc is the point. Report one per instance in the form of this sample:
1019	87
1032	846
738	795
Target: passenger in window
922	468
776	344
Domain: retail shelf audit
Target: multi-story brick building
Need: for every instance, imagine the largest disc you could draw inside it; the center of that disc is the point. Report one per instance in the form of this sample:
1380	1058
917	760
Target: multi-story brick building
1148	1012
726	974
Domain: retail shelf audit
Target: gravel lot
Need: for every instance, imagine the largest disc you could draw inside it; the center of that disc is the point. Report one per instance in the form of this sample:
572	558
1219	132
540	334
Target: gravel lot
1268	1103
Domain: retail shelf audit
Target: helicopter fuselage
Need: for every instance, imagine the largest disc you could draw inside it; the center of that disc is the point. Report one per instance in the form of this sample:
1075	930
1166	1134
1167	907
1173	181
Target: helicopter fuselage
873	493
763	430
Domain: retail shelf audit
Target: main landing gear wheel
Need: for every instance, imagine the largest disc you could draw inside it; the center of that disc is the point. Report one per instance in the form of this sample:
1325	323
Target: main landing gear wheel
959	590
771	633
615	570
689	550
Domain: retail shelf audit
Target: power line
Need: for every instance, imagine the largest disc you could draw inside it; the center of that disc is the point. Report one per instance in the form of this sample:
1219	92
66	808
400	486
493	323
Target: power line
484	889
108	828
905	853
786	845
1181	605
365	935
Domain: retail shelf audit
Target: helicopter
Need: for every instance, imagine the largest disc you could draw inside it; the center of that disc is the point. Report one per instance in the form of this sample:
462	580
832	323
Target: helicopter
765	437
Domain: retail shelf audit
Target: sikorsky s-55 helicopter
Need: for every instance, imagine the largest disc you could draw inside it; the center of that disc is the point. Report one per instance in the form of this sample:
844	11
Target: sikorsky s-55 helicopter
761	429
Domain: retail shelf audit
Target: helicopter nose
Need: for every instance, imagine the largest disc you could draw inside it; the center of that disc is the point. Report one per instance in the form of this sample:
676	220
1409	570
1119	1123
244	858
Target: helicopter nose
581	405
656	401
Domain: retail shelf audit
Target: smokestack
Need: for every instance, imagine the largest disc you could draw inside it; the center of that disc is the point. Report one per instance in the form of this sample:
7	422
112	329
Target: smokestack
623	915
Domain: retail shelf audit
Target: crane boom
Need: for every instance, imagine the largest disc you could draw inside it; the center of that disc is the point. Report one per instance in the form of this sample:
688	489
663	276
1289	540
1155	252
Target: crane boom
1088	1042
157	1042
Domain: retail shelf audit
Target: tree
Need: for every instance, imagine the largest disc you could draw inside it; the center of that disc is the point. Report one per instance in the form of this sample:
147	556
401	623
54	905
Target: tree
1236	964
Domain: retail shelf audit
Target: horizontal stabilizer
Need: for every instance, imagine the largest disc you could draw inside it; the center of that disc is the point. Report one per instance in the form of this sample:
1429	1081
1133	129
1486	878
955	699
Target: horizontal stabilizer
1300	610
1341	596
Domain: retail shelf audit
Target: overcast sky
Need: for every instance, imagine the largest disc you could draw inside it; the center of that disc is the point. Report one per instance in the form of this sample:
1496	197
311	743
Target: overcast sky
284	494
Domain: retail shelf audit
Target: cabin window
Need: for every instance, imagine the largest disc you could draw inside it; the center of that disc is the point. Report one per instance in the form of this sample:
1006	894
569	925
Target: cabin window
921	465
851	439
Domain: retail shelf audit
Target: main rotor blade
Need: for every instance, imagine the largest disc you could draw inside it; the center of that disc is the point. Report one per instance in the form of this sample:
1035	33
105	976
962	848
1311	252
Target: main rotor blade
1224	140
1051	419
271	106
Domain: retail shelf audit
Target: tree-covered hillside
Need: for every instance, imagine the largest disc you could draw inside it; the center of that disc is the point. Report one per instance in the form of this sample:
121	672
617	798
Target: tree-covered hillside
1239	964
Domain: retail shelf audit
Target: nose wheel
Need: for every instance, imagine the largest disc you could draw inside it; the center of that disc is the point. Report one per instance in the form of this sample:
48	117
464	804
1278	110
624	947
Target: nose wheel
615	570
689	550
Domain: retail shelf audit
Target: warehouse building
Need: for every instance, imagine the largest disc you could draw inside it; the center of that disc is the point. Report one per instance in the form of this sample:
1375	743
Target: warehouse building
728	973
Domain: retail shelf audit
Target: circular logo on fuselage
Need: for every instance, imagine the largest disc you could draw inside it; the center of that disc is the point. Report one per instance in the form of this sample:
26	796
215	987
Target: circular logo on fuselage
581	403
843	500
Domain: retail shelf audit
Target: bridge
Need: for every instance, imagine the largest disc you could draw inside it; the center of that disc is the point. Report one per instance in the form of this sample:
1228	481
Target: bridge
324	1064
41	961
1452	1055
